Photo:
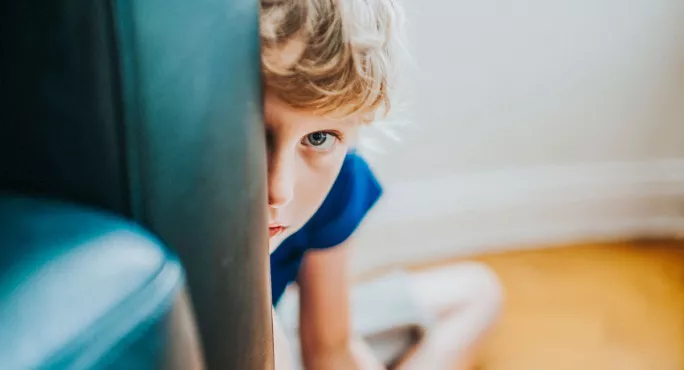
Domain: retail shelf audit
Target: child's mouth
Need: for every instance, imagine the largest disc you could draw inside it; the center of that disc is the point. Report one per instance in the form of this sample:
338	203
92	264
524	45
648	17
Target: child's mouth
274	230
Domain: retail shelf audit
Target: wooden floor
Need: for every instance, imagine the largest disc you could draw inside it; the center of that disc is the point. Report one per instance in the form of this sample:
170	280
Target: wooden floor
593	307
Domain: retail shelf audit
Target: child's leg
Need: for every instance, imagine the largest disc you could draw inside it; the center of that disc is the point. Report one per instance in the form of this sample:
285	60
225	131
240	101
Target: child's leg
459	303
465	299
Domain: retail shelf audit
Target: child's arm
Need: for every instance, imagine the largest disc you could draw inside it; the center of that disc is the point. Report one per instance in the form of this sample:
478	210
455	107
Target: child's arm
325	327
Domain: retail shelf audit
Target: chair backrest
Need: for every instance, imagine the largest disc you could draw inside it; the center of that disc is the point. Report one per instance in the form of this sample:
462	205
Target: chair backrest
152	109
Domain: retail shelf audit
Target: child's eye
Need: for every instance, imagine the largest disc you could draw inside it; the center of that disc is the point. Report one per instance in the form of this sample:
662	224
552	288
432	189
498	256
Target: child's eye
321	141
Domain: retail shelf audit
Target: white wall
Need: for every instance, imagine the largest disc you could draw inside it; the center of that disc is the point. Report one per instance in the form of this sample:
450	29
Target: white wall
535	121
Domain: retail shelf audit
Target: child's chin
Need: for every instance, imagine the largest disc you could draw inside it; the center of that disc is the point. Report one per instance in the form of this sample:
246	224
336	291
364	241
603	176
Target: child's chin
273	244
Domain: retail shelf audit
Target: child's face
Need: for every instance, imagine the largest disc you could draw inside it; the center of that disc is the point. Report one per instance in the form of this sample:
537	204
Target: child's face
305	154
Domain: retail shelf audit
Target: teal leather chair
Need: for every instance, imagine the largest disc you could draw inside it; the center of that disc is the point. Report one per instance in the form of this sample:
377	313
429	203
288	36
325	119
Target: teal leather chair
132	186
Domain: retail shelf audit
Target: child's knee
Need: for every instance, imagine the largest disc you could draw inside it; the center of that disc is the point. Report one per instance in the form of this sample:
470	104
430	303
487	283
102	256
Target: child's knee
464	286
484	282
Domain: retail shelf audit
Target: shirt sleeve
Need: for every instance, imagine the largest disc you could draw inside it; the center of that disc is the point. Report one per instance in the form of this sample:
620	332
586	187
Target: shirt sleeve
353	194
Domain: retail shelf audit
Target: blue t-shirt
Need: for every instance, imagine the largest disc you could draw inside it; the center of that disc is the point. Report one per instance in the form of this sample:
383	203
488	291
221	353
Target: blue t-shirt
354	192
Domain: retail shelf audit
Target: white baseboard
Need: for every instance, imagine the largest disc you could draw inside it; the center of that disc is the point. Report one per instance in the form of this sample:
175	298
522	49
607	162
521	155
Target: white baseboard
432	219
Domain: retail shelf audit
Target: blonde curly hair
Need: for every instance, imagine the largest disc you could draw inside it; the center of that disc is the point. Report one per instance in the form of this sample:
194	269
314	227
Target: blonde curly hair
332	57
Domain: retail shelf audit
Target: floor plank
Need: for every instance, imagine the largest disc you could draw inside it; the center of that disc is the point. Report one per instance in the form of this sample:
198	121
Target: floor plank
592	307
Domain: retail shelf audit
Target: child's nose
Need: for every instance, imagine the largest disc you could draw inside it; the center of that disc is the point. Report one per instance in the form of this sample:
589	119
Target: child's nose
280	182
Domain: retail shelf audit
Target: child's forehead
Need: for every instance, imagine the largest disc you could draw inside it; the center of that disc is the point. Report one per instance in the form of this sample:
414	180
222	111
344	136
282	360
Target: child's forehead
279	113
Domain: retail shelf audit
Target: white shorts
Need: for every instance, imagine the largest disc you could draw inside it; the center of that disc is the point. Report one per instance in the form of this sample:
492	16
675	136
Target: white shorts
383	312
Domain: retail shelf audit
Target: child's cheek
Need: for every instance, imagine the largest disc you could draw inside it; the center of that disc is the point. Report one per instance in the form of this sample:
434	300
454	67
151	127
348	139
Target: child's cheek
314	181
327	161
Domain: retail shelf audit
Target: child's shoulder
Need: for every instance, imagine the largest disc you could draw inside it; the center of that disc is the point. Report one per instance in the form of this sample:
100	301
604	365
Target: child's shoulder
355	173
353	194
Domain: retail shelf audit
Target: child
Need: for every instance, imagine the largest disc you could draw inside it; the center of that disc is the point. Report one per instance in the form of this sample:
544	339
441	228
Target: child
328	68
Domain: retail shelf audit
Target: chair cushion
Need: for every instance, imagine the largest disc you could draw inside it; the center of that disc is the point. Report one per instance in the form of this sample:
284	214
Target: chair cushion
79	288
